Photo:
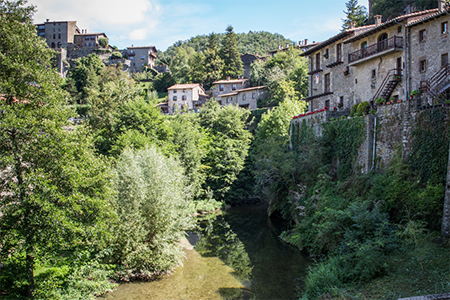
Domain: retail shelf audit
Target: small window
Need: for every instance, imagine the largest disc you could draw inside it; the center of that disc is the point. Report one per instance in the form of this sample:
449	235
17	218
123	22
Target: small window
54	29
243	97
54	36
444	28
221	87
399	29
59	29
233	87
374	73
174	98
142	57
327	53
131	57
174	91
423	66
184	90
59	35
444	60
327	83
254	96
338	52
356	81
183	97
363	45
341	101
422	35
318	61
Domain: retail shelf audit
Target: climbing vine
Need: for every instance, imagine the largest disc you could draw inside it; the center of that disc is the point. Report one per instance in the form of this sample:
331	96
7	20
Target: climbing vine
429	155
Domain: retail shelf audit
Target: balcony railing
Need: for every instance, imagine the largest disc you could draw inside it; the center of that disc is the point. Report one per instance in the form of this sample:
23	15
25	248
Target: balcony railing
382	46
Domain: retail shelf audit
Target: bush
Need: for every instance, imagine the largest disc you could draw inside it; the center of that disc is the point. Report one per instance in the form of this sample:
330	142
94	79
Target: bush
116	55
363	108
103	42
353	110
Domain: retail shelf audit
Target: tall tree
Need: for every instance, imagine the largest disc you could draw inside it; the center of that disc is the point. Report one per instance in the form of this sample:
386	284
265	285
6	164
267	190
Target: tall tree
354	13
213	62
53	189
230	55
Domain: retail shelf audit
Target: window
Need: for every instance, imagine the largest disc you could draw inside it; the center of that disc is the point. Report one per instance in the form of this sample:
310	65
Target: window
444	59
318	61
327	53
131	57
382	42
341	102
254	96
86	38
184	90
59	44
174	91
41	27
54	36
59	29
444	28
374	73
221	87
338	52
399	29
243	97
423	66
142	58
363	45
174	98
92	38
183	97
233	87
422	35
327	83
54	29
59	35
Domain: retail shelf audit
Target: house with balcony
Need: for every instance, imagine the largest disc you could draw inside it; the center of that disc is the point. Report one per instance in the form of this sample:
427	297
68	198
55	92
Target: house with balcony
141	57
244	98
180	96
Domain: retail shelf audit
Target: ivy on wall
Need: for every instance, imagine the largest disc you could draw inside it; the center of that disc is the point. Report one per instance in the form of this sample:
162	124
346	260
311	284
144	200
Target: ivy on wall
431	134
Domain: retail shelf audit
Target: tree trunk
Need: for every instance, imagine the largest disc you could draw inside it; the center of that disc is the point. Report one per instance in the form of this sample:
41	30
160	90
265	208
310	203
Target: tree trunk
445	231
30	269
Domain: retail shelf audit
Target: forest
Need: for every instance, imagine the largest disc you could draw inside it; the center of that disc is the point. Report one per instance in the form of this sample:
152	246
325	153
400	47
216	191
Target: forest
86	206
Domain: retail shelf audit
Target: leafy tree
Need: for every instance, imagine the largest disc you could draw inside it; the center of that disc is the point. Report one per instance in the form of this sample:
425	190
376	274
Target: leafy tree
392	8
163	81
197	72
153	211
180	66
229	144
213	62
54	190
103	42
354	13
116	55
230	55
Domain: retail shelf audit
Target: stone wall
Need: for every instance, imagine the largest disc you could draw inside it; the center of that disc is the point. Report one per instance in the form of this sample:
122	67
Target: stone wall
364	160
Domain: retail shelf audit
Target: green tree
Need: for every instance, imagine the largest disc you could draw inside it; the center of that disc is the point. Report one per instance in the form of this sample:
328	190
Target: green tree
54	190
163	81
153	210
354	13
230	55
103	42
229	144
213	62
197	72
180	66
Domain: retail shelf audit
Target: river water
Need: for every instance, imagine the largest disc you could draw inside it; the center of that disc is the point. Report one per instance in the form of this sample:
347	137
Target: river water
236	255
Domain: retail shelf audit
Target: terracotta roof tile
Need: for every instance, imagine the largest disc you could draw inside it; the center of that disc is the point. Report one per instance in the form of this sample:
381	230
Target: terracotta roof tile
230	81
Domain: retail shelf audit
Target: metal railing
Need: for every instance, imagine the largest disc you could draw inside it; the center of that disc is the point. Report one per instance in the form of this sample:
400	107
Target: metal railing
391	43
394	75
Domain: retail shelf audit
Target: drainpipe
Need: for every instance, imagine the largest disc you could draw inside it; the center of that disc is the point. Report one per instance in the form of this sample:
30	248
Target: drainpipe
373	144
405	44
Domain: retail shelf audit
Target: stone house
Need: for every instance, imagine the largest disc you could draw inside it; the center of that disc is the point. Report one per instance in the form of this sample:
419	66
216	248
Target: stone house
141	57
245	98
361	64
188	95
87	40
428	55
228	86
247	59
58	33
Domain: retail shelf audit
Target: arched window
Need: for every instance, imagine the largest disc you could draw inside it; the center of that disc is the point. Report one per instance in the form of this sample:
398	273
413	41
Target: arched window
383	42
53	45
59	44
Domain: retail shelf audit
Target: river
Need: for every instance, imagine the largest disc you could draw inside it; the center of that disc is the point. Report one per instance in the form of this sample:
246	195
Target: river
236	255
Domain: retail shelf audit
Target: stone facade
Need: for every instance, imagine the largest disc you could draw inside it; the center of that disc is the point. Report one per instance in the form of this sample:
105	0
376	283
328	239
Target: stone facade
228	86
141	57
87	40
184	95
245	98
58	34
248	59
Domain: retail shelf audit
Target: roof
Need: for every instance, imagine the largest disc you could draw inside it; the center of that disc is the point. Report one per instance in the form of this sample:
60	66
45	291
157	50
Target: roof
394	21
92	33
143	47
185	86
242	90
357	31
230	81
433	16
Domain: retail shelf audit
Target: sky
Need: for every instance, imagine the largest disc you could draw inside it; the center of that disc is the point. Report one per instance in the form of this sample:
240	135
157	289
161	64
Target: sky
161	23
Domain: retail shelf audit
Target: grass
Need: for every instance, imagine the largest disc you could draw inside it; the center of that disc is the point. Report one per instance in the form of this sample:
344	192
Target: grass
405	278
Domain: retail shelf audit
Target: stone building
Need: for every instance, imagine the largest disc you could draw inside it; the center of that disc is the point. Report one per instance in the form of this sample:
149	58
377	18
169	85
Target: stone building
361	64
228	86
428	55
245	98
141	57
87	40
188	95
247	59
58	33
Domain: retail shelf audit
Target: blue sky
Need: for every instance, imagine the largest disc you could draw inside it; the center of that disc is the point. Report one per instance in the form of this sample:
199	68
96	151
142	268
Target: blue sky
163	22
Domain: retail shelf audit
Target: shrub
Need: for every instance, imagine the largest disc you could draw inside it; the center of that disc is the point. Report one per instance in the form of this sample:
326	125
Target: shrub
353	110
103	41
116	55
363	108
379	100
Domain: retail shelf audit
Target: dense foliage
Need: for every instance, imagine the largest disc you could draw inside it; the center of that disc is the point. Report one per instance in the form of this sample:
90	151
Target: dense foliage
392	8
354	13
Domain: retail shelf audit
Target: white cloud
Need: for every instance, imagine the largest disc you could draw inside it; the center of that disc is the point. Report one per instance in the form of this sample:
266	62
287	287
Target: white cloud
138	34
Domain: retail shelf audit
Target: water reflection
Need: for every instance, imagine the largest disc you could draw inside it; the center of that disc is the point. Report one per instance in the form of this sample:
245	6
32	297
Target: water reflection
237	255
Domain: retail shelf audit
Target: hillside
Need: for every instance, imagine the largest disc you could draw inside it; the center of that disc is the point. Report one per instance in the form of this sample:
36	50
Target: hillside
392	8
251	42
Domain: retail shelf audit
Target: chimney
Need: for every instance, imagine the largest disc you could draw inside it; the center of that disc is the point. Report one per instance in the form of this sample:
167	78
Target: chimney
306	42
378	20
441	5
48	20
352	25
228	78
85	31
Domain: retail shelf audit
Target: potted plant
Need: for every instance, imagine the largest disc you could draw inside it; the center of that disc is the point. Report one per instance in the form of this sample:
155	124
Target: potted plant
326	56
346	71
372	112
396	77
379	101
340	105
414	93
335	108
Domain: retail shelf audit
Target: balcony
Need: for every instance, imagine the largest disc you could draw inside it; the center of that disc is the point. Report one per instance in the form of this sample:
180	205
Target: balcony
392	44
